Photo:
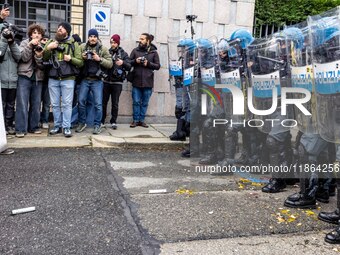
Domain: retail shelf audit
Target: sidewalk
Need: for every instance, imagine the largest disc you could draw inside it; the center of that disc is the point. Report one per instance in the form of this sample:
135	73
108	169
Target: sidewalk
156	137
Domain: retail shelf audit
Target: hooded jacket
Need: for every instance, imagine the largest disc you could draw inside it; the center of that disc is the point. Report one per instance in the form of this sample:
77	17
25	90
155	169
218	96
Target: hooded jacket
29	63
9	57
143	76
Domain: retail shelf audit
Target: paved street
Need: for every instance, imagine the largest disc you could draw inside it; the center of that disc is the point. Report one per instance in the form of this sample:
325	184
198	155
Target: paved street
98	201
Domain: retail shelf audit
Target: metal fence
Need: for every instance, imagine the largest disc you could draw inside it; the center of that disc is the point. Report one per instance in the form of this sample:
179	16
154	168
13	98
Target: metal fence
48	14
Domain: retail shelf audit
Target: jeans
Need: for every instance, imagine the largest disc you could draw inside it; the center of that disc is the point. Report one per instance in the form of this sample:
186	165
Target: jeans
28	105
96	87
113	90
62	111
45	100
8	103
140	102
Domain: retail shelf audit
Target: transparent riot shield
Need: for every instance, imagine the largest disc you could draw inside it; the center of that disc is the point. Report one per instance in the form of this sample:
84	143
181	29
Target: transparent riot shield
325	35
175	61
301	70
267	62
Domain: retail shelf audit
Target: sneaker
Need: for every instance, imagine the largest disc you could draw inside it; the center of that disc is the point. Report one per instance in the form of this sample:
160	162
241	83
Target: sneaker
133	124
11	130
114	126
81	127
36	131
55	130
20	134
67	132
96	130
143	124
7	152
45	126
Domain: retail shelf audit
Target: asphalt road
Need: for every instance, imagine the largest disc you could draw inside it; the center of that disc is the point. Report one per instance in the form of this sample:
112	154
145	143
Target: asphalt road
106	201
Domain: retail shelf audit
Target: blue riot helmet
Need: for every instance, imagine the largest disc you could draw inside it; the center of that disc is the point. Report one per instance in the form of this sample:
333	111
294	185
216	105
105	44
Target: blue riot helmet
294	34
188	44
205	52
243	35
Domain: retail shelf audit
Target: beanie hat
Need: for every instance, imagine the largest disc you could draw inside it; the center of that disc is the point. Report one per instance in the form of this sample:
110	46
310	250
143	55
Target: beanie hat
93	31
67	27
116	38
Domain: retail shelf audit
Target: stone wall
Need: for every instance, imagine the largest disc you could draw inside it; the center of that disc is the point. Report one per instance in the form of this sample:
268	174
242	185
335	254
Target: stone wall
163	18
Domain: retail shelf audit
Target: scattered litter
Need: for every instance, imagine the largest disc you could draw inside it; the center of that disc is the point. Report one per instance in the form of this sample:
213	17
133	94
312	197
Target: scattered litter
211	212
23	210
157	191
182	191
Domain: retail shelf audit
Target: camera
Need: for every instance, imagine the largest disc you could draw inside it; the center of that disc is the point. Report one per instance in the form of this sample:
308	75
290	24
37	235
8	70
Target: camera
191	18
38	48
115	58
60	48
101	74
89	54
142	60
10	31
8	34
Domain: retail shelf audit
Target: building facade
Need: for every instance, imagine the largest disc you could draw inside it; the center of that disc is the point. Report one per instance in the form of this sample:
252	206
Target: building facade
130	18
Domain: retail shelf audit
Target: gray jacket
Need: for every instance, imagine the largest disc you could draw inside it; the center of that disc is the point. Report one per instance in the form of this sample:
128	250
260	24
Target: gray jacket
29	63
10	56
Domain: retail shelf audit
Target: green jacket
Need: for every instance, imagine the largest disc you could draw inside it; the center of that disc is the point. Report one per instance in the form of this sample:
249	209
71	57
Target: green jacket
104	53
76	58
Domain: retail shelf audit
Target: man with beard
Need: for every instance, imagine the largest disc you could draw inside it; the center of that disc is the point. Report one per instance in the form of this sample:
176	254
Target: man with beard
145	60
64	57
114	82
95	56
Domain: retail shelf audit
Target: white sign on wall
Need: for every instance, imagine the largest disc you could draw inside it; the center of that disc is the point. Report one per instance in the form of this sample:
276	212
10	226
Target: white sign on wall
101	18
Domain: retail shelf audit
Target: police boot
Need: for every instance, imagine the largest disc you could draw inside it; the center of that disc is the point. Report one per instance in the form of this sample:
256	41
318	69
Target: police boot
334	236
229	148
179	134
332	217
275	185
322	193
210	143
244	158
305	199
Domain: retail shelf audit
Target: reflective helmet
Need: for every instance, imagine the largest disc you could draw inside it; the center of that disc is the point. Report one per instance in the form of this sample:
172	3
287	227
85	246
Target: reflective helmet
244	35
188	44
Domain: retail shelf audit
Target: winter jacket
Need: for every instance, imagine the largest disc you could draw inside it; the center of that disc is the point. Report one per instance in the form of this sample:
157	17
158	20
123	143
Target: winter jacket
117	74
9	57
70	47
103	52
29	63
143	76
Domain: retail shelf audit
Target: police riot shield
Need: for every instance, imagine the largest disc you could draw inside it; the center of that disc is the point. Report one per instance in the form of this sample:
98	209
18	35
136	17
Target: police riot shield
175	59
267	62
326	60
301	70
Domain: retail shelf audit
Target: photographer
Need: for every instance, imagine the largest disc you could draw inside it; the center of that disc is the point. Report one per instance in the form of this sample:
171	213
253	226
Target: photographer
145	60
63	56
31	76
3	140
95	56
9	58
114	82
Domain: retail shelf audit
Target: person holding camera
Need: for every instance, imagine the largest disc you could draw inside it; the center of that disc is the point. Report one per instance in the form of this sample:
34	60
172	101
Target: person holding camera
145	61
4	150
96	56
113	84
31	76
63	58
9	57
